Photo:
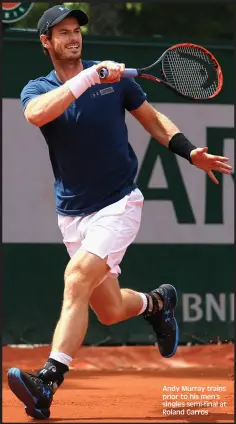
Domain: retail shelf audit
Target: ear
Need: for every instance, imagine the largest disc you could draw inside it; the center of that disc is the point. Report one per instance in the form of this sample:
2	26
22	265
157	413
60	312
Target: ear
45	41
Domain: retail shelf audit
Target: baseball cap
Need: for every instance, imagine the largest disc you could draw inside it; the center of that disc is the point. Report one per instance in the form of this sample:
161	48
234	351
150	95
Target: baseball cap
56	14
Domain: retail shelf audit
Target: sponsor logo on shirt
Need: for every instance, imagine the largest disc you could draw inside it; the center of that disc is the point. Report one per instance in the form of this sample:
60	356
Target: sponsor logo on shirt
102	92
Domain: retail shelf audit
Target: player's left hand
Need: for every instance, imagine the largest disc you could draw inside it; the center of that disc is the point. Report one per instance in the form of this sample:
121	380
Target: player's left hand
208	163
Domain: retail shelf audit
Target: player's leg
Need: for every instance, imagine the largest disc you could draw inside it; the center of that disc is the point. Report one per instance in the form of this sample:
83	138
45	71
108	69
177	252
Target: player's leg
83	273
112	305
122	222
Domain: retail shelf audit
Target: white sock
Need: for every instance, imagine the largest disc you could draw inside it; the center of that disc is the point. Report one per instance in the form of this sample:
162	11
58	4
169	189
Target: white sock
144	298
61	357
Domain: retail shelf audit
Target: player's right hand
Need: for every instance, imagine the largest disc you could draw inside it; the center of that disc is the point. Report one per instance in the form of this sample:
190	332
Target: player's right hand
115	71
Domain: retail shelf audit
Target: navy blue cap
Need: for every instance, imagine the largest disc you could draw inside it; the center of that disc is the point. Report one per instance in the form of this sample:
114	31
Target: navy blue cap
56	14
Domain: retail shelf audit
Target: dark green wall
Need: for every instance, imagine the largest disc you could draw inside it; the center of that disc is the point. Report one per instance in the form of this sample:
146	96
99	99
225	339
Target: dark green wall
33	289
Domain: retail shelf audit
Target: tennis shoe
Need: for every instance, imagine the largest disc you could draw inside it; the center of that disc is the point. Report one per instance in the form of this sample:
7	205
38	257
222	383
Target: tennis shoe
32	391
163	321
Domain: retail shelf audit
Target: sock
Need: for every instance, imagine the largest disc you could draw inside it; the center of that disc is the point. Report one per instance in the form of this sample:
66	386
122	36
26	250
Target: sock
145	302
61	357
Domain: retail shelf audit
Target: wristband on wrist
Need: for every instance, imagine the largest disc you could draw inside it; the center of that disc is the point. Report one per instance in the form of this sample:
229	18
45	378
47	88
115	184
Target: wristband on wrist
180	145
85	79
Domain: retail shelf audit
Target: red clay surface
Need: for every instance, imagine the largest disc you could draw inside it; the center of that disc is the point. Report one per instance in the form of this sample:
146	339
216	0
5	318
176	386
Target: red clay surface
126	384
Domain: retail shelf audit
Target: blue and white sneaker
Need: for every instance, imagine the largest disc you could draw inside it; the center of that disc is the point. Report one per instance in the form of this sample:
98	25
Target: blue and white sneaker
163	322
32	391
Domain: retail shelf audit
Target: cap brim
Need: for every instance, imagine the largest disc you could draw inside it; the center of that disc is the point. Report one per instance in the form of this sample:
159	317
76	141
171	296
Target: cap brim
81	17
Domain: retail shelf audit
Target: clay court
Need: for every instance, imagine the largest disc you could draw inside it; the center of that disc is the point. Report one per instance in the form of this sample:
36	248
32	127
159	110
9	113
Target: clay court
126	384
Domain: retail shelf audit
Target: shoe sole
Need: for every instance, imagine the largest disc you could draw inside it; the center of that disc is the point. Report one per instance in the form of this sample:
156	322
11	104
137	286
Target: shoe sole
176	340
176	325
22	392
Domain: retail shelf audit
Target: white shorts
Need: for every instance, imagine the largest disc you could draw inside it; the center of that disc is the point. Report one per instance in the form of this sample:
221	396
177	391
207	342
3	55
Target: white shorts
107	232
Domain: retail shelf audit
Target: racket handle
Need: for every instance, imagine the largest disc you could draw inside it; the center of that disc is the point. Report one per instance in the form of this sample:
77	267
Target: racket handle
128	73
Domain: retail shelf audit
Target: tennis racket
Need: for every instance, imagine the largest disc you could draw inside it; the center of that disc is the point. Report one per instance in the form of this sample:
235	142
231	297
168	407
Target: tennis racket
189	69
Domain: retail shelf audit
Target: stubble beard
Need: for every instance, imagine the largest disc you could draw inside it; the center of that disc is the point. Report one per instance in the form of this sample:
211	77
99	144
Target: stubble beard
67	61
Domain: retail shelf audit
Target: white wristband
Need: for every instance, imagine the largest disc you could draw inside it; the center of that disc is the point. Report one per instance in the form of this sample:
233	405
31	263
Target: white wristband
85	79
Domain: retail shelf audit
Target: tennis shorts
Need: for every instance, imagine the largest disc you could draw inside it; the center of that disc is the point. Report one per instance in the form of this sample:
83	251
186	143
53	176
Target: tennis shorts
106	233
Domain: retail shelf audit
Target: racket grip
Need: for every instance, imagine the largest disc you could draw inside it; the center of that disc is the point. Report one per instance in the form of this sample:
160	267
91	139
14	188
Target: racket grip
128	73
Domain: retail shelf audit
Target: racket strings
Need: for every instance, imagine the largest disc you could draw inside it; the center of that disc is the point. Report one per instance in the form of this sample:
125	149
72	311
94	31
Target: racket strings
190	71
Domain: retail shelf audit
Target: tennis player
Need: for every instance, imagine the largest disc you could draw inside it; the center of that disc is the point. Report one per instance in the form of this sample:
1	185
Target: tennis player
99	206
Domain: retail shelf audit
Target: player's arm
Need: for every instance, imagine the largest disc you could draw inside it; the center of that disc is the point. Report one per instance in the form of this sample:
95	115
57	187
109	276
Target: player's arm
158	125
167	133
49	106
46	107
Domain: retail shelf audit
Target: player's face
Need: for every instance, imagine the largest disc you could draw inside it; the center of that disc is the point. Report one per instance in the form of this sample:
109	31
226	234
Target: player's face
66	41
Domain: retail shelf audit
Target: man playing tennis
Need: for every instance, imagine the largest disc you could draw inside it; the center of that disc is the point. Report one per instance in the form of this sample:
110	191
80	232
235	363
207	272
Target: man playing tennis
98	204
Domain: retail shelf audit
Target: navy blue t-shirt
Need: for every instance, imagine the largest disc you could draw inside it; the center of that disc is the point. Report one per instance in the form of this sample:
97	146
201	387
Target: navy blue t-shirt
93	163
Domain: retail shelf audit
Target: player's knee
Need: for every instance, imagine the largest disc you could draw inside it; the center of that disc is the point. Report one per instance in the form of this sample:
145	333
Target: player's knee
77	285
110	316
83	274
74	286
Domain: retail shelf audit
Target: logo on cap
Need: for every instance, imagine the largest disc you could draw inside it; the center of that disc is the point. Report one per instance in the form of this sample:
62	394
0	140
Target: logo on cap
13	12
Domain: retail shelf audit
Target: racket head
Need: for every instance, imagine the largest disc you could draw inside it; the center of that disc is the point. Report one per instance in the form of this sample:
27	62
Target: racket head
192	71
